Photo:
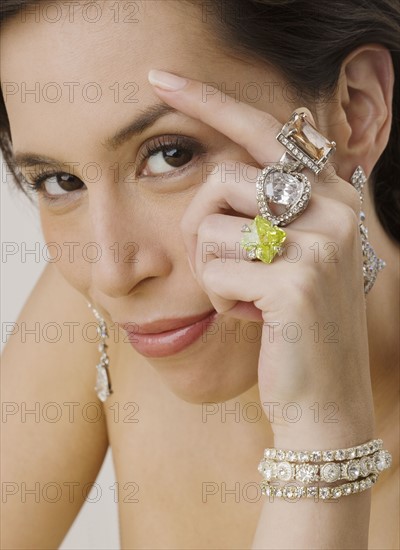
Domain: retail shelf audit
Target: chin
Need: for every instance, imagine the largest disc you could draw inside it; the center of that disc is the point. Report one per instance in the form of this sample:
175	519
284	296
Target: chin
214	374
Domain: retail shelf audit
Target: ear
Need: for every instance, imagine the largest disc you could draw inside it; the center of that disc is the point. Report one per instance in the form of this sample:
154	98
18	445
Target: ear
359	117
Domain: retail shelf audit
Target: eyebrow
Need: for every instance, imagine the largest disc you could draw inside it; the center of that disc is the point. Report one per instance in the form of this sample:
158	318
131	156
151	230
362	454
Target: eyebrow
145	120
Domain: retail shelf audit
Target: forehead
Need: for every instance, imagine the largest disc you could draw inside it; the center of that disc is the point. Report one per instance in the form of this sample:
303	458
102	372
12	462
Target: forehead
67	68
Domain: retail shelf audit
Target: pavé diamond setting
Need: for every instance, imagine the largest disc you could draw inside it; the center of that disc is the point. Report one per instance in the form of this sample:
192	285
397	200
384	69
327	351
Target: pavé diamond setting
279	184
305	143
372	265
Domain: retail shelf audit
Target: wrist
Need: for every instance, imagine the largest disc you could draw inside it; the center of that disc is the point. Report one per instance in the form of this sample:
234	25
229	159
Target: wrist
325	437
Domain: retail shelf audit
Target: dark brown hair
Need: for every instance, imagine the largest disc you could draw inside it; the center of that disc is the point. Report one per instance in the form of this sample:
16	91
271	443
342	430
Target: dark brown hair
307	40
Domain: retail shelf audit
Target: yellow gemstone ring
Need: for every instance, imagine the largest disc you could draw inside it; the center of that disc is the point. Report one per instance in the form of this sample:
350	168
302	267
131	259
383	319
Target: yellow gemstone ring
262	240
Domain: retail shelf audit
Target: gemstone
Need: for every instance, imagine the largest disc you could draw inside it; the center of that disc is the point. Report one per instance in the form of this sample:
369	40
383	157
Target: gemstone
307	138
102	383
304	456
336	492
327	455
330	472
267	469
316	456
382	460
280	455
324	492
340	454
353	469
365	465
269	453
263	238
267	491
281	188
284	471
306	472
312	491
292	492
291	456
346	489
351	453
360	451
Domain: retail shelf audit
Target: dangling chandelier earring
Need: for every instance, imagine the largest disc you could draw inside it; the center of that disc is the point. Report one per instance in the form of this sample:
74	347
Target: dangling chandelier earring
103	381
372	264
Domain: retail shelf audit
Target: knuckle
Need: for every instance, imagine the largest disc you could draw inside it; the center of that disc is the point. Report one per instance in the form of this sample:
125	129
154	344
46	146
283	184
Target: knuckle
208	226
305	283
265	123
339	219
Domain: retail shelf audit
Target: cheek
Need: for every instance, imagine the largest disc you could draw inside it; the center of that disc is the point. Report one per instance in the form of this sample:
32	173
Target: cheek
68	249
82	242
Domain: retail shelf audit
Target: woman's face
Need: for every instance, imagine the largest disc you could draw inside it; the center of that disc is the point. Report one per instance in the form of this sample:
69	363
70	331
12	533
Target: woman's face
74	78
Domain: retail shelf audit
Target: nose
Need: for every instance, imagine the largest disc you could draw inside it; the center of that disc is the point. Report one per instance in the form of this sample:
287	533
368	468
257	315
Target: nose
128	252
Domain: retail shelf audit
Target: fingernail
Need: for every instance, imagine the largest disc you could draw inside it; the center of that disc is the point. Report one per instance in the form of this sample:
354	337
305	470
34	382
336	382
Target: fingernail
166	81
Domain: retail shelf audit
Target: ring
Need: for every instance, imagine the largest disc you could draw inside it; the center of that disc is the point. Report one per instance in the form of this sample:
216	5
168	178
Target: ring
304	143
262	240
281	184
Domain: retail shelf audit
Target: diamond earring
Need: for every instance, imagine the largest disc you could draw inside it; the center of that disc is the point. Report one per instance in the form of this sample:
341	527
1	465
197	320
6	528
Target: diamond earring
372	264
103	381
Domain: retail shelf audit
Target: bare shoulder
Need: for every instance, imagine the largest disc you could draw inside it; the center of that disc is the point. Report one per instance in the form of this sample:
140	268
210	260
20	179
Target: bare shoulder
53	342
54	435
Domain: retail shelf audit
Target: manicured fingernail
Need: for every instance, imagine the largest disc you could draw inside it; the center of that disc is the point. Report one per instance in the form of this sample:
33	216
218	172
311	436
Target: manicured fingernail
166	81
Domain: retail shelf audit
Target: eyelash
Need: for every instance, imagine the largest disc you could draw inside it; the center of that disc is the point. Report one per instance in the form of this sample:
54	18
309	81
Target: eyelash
162	143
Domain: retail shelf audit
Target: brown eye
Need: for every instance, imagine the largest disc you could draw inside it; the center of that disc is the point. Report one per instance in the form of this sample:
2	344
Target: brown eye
168	154
166	160
62	183
177	157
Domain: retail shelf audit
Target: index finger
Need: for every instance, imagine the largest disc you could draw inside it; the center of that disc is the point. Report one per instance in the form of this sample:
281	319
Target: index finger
253	129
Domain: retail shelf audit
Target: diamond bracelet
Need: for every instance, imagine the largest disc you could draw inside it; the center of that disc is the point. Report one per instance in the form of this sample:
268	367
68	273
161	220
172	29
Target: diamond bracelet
294	492
328	472
325	456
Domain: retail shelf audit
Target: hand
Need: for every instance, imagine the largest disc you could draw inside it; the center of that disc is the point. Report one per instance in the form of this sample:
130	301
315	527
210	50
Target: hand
314	348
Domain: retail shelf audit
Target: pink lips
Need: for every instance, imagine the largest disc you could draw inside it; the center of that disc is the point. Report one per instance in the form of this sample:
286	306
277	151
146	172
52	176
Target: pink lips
167	336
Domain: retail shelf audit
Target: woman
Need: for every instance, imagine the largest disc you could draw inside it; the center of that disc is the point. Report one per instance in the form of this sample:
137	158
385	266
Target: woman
148	186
